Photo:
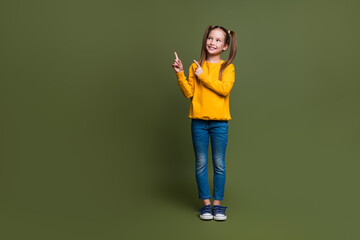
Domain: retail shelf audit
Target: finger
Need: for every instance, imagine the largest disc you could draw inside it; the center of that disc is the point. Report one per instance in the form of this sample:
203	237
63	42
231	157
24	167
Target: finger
197	63
176	56
179	65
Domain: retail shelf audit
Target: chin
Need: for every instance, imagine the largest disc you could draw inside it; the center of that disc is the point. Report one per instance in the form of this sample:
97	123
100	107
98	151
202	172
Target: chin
214	53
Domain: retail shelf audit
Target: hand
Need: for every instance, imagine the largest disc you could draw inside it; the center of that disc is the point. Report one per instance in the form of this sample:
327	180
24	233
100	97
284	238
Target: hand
198	70
177	65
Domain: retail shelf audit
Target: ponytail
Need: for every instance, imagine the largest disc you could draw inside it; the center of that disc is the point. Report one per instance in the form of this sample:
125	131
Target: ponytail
204	53
233	48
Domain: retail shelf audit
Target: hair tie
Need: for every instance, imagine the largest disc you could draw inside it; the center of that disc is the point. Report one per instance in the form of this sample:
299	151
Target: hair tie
229	32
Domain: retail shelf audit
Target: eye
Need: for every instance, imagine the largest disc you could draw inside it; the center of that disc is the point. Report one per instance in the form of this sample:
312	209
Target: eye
218	40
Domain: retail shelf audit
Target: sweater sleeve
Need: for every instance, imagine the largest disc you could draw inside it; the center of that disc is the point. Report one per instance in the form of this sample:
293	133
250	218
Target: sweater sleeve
222	87
186	87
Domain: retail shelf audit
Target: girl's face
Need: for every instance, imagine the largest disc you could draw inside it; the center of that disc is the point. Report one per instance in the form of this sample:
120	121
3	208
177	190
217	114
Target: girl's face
215	42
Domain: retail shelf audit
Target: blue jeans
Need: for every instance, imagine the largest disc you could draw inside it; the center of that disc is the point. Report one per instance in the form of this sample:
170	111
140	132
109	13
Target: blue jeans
218	132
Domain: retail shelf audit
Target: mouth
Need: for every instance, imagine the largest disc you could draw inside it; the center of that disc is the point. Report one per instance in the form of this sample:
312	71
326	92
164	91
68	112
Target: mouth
211	48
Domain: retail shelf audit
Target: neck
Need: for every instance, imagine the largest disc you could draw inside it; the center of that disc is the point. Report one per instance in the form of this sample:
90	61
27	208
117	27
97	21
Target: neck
213	58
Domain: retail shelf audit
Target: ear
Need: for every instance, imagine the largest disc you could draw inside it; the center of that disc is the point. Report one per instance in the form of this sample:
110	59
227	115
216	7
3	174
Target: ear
225	47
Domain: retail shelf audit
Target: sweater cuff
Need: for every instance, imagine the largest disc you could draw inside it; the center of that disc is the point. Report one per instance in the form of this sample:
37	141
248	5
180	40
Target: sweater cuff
180	75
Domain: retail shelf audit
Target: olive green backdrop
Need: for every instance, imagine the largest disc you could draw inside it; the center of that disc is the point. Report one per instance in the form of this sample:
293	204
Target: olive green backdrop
95	138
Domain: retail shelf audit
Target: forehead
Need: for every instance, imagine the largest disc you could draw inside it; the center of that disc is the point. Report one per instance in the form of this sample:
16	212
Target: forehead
217	33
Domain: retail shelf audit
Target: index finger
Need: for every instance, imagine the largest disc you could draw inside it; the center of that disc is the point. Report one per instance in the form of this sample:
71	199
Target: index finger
197	63
176	56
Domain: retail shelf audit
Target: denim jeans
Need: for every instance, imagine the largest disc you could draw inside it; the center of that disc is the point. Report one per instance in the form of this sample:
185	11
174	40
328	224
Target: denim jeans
201	130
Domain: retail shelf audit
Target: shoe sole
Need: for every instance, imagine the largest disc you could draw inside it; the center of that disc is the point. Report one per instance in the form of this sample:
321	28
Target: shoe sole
206	217
223	218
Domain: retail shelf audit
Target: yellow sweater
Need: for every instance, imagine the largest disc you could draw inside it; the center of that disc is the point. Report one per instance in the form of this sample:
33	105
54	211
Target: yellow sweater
209	95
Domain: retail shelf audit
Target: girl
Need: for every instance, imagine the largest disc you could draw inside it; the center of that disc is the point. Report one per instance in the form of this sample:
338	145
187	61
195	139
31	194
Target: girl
209	85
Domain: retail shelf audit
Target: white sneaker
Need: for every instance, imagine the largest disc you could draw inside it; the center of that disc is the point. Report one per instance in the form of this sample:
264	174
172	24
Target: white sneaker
206	212
219	213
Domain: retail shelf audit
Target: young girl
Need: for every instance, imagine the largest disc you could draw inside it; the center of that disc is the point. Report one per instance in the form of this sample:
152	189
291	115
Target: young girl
209	85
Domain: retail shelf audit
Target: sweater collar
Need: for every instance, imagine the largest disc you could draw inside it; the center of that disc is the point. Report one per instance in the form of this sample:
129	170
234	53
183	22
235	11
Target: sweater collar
215	63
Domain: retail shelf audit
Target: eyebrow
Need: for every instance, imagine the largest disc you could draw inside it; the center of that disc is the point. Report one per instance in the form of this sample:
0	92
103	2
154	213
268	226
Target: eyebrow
215	38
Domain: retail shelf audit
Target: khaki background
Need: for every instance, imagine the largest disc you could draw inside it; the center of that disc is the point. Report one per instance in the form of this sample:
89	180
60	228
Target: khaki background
95	139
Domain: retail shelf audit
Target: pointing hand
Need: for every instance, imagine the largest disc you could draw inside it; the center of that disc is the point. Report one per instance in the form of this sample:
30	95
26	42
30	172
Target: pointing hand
177	65
199	69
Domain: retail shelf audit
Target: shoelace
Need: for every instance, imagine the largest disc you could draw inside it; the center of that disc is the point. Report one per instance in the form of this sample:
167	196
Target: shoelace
219	209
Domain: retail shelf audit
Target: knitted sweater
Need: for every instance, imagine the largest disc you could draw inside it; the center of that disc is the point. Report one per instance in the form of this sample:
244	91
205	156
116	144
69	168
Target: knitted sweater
209	95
